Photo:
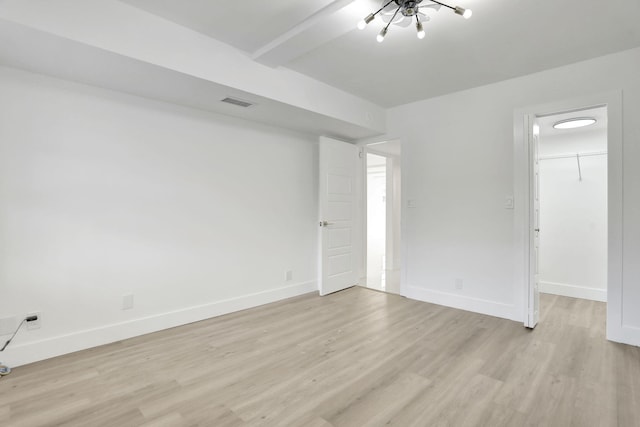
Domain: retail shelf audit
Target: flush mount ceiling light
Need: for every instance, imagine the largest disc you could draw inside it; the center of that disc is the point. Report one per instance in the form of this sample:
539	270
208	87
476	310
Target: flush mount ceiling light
402	13
577	122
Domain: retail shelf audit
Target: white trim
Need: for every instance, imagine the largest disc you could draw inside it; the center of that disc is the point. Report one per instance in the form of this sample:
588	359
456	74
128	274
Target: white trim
573	291
476	305
629	335
56	346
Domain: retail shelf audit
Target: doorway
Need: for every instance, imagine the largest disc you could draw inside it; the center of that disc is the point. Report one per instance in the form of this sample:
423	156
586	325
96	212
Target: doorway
523	261
572	168
528	196
383	204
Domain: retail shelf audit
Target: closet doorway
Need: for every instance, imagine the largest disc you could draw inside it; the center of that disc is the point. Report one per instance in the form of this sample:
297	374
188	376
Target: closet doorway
568	209
573	204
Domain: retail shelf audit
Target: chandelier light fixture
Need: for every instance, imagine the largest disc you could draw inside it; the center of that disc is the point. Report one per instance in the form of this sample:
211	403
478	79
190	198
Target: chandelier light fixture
402	12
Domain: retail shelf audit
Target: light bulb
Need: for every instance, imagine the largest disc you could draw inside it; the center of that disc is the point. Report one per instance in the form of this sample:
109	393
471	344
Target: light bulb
370	17
380	36
465	13
421	32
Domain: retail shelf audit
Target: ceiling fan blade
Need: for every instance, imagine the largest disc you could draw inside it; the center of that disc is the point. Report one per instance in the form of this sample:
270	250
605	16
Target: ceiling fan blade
387	16
433	6
391	7
406	22
423	17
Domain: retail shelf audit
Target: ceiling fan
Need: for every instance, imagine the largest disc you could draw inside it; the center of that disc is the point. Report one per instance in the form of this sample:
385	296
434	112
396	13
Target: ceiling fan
403	12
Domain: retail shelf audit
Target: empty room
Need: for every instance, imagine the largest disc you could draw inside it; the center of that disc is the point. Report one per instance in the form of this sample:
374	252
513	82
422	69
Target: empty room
319	213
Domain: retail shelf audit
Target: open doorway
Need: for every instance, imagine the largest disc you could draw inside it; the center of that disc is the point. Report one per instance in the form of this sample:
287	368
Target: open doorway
573	205
524	260
383	172
569	205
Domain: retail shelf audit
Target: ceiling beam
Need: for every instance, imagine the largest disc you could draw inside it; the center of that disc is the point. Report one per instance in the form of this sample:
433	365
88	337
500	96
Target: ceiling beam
146	38
311	33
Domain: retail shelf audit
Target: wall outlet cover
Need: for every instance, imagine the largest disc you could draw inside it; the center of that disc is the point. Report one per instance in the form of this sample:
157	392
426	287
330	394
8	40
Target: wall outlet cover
127	302
36	324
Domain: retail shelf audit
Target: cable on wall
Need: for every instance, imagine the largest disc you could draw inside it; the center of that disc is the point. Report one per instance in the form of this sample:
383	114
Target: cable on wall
4	369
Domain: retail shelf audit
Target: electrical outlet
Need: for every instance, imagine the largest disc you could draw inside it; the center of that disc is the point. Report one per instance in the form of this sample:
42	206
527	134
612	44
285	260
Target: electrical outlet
459	284
127	302
34	324
288	275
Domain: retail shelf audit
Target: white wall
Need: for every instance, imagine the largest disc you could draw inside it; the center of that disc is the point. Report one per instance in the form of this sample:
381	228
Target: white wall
573	216
104	194
458	160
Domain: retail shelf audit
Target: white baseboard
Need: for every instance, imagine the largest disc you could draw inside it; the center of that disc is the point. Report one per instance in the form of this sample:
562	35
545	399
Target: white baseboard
631	335
624	334
573	291
476	305
82	340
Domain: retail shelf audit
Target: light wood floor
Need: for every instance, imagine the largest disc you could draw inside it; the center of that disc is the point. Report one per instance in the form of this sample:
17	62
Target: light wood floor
356	358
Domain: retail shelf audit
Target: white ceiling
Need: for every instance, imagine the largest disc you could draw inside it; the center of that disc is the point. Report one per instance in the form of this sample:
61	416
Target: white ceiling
586	139
503	39
546	123
246	24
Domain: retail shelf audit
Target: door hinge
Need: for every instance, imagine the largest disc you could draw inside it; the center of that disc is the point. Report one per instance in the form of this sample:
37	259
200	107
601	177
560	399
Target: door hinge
361	154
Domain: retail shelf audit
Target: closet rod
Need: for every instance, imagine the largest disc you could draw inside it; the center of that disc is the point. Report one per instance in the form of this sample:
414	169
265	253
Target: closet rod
571	156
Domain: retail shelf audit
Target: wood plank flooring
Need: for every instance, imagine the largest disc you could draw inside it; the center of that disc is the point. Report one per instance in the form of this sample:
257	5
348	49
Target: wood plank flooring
355	358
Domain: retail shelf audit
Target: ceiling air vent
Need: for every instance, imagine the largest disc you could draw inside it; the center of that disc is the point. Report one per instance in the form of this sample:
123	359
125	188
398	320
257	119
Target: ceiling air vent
238	102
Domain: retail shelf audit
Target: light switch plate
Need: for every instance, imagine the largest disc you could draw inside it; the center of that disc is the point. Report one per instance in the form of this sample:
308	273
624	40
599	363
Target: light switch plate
508	202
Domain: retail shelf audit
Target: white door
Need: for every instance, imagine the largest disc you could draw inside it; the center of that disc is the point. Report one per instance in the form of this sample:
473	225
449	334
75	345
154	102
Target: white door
534	226
339	169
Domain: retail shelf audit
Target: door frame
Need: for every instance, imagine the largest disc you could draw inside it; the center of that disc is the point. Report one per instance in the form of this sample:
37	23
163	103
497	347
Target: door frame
364	144
523	225
389	207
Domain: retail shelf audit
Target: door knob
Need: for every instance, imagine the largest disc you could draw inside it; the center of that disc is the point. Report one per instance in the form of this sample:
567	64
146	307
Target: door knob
537	229
325	223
